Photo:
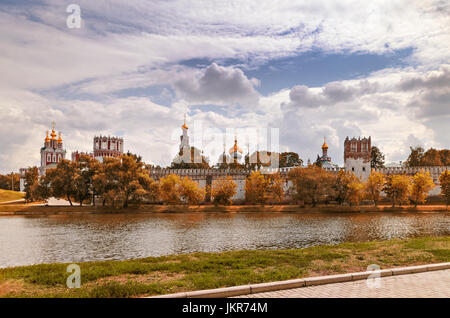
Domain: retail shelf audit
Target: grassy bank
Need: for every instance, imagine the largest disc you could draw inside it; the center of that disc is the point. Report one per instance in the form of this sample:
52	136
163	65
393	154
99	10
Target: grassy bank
8	195
29	209
169	274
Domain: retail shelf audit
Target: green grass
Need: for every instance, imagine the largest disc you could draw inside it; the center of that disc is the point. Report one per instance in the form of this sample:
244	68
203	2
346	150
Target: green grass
8	195
176	273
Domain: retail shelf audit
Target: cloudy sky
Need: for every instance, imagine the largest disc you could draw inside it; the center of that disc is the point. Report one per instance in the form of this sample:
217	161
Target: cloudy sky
312	69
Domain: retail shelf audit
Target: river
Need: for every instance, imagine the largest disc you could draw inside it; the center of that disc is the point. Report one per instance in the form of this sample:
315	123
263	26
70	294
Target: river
65	238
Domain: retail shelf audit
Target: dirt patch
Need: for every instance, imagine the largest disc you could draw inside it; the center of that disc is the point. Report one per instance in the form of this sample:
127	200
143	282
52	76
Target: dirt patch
144	279
11	286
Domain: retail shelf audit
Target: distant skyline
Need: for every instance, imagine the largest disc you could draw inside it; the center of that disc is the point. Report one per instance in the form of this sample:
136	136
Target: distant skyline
312	69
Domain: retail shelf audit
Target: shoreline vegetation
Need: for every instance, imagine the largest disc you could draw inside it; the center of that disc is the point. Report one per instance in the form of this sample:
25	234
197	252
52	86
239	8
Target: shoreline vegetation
196	271
43	210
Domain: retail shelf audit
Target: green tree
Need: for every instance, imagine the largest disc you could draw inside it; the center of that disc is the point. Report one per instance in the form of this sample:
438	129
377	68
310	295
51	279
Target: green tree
377	158
444	181
62	180
32	184
290	159
374	186
422	183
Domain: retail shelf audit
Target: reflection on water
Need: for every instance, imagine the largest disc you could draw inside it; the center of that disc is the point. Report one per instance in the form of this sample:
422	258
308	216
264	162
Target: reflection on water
33	240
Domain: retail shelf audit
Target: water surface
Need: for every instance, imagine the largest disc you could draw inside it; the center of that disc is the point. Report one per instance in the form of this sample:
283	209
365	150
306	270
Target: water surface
32	240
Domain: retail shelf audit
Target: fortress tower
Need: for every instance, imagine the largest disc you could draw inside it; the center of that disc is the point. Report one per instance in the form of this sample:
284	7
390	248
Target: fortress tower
107	146
357	156
52	152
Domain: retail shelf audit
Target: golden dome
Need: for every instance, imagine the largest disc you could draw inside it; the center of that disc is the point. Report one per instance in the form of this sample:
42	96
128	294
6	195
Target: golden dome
53	134
46	138
59	139
184	125
235	148
324	146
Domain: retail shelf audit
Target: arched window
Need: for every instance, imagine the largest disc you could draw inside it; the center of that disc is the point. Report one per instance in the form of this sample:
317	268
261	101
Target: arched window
49	157
353	147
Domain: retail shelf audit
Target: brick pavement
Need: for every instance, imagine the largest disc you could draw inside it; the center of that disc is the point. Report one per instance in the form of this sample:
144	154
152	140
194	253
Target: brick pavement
426	284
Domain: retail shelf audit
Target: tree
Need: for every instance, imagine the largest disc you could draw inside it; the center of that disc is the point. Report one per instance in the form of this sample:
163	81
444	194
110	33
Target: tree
422	183
374	185
10	181
340	186
290	159
355	191
190	192
86	168
397	189
377	158
255	188
311	184
222	190
169	189
274	190
444	180
415	157
62	180
445	157
431	157
32	184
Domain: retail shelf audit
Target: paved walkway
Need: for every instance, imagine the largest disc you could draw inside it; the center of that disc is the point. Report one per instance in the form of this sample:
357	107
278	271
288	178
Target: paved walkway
426	284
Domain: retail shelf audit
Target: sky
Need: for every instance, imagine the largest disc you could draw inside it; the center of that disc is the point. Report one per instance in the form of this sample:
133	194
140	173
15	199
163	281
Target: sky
299	70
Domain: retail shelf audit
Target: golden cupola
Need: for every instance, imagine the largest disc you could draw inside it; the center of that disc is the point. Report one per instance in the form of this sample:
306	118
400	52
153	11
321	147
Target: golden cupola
59	139
184	124
47	139
324	146
235	148
53	134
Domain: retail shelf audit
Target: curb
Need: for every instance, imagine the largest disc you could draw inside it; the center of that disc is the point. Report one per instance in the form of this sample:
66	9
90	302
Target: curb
303	282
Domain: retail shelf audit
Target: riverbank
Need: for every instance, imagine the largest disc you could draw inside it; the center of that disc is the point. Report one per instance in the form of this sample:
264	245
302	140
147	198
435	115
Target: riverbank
37	210
188	272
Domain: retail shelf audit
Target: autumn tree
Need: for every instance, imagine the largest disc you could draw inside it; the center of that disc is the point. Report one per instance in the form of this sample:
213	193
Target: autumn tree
444	181
340	186
255	188
274	188
374	186
422	183
415	157
355	191
10	181
190	191
377	158
397	189
222	190
311	184
169	189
